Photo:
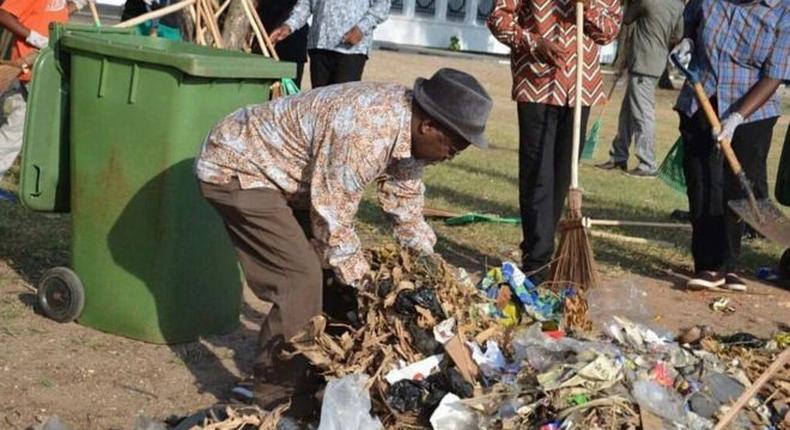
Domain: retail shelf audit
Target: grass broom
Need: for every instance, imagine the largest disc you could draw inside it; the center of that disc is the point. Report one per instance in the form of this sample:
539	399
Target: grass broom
573	261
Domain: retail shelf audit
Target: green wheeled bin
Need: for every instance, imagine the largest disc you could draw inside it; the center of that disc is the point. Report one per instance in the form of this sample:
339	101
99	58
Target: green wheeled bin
150	259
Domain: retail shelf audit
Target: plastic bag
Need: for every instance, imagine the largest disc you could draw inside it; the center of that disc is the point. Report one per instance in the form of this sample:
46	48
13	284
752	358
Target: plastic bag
347	405
623	298
453	415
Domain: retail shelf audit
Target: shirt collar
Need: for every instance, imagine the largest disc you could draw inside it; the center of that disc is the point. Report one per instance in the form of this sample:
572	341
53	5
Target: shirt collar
402	148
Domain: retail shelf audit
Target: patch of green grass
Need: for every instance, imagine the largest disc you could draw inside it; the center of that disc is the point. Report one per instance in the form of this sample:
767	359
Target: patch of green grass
45	381
487	181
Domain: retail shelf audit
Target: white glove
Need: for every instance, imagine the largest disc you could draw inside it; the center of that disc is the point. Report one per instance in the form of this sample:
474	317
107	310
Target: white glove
37	40
79	4
683	51
728	127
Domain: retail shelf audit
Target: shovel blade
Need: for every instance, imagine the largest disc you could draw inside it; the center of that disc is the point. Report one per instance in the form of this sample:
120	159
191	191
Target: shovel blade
768	220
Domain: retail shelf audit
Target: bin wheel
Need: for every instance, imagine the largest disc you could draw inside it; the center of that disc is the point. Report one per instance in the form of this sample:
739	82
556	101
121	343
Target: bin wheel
784	264
61	296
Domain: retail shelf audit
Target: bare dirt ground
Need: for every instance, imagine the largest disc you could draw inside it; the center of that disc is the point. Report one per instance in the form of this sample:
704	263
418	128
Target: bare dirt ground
94	380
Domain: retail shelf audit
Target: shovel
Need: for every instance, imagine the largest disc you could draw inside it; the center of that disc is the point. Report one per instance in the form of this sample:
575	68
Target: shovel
761	214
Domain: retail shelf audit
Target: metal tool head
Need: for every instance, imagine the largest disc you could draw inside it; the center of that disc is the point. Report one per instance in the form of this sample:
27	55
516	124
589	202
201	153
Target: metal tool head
766	218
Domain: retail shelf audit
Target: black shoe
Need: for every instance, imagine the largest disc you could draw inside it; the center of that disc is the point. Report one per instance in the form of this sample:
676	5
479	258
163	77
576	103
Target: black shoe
611	165
705	280
643	174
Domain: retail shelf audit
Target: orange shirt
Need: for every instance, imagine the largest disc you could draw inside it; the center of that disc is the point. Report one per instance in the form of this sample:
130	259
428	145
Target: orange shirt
35	15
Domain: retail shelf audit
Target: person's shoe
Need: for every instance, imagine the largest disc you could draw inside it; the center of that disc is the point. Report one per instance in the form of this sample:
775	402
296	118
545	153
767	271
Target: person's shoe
611	165
643	174
734	282
705	280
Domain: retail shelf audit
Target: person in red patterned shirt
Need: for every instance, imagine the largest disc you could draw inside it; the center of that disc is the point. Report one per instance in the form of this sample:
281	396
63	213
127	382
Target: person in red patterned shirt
542	37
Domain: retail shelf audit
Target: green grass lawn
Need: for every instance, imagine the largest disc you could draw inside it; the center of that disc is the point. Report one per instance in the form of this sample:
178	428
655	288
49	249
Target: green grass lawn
479	181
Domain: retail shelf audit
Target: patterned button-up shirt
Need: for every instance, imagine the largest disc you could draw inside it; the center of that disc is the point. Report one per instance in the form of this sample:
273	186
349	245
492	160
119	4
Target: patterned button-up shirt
520	24
737	43
321	148
332	19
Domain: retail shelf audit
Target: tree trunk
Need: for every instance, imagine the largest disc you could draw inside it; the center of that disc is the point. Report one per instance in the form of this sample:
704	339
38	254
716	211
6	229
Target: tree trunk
236	28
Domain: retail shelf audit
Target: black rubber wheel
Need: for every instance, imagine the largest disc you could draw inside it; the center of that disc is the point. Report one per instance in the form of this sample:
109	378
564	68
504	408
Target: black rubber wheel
784	264
60	295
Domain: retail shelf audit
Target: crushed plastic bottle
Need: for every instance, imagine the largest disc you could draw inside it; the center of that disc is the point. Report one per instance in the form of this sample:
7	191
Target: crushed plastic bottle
659	400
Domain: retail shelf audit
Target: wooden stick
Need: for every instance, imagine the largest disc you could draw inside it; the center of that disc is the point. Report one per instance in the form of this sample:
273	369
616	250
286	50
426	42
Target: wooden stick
577	107
439	213
748	394
222	9
255	28
631	239
619	223
266	38
212	26
155	14
94	13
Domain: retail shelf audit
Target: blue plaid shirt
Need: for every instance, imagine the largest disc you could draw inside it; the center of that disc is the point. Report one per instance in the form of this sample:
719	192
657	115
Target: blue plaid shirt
737	43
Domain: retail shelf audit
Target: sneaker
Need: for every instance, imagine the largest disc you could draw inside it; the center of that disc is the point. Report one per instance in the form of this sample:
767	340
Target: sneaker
611	165
705	280
734	282
640	173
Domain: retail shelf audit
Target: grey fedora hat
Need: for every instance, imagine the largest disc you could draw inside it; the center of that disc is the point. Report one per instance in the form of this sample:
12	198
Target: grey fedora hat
457	101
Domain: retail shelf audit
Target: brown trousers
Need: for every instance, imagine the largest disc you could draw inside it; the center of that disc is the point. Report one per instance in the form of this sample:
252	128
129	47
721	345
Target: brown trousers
281	267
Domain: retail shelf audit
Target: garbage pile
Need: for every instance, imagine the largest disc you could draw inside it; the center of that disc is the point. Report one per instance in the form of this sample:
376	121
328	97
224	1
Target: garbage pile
430	349
436	351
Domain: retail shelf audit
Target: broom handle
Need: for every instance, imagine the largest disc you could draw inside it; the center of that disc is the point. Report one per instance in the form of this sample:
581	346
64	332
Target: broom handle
155	14
577	108
747	395
94	13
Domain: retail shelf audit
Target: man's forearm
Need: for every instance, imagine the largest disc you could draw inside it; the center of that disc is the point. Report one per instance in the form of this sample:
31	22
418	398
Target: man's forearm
757	96
12	24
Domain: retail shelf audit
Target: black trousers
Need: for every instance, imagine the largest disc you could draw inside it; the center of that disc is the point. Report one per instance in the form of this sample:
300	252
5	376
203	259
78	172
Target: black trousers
330	67
545	141
717	231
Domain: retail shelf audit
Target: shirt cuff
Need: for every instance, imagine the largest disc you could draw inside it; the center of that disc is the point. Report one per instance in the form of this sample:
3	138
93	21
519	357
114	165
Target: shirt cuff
351	270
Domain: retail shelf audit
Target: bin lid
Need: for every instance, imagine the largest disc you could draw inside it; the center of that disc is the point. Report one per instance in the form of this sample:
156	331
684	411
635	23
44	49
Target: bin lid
190	59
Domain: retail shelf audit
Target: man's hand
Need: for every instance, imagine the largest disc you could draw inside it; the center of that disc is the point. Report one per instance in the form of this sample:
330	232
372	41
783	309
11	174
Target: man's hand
280	33
728	127
550	52
683	52
36	40
353	36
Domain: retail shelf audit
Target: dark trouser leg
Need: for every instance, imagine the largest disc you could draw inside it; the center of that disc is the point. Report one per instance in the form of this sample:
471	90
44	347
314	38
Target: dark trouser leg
322	63
280	267
299	74
563	149
545	140
537	135
348	68
716	237
702	165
